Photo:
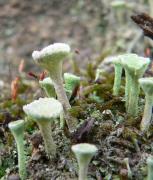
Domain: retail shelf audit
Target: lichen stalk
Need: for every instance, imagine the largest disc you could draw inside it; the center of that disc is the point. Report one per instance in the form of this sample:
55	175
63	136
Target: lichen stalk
127	89
56	76
83	168
133	97
17	129
117	80
49	91
146	120
21	157
150	168
84	153
45	129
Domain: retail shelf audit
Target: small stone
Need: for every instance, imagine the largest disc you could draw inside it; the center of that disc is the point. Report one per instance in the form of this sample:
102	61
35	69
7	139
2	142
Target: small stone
14	177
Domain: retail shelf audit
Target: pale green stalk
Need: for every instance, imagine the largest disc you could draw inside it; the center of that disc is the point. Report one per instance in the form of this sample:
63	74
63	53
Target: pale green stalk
127	89
150	168
146	120
151	7
117	80
45	129
21	156
83	167
147	86
133	97
126	160
17	129
56	76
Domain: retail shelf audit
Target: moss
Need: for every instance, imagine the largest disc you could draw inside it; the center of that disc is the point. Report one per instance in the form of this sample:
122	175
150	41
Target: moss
75	111
129	133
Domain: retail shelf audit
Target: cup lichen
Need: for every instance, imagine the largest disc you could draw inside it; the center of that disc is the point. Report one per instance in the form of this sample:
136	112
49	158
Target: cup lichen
147	86
51	58
17	129
47	85
134	67
71	81
44	111
84	153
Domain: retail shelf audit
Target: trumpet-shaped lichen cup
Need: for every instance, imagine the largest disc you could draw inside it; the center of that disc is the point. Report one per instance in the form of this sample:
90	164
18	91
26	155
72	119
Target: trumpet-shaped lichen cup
48	87
17	129
84	153
147	86
134	66
71	81
44	111
51	58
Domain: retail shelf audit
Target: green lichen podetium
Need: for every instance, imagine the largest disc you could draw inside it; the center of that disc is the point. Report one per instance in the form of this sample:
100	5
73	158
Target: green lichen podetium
71	81
51	58
118	74
150	168
17	129
147	86
48	87
134	66
84	153
44	111
119	6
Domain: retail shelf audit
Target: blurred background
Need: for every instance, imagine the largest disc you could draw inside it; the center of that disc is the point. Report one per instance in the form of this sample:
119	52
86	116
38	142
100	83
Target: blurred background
93	28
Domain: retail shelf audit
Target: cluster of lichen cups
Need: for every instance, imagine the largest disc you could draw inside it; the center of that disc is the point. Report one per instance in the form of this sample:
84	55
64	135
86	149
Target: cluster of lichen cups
46	110
71	81
134	66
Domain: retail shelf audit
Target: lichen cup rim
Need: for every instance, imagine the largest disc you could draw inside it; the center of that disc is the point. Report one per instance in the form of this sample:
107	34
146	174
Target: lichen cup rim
16	124
53	52
146	80
134	64
43	108
70	75
84	148
46	80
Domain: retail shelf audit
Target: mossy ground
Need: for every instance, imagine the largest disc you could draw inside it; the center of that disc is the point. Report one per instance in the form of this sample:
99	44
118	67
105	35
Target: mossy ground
92	27
102	121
